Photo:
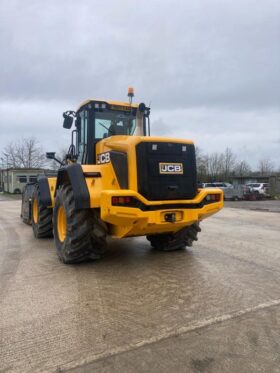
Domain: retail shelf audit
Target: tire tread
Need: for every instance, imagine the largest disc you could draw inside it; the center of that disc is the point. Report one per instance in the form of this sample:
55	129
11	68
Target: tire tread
80	243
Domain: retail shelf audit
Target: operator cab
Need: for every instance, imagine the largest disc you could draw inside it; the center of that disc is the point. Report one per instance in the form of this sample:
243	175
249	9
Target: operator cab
98	119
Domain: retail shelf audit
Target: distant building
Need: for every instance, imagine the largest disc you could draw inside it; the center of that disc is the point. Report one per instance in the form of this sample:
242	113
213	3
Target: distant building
273	181
12	180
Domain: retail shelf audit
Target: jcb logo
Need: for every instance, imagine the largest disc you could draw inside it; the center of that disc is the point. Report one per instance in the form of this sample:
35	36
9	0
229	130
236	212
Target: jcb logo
171	168
103	158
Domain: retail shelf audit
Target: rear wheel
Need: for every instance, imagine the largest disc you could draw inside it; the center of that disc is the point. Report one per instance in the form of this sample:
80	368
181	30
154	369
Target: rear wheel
78	234
26	204
175	241
41	216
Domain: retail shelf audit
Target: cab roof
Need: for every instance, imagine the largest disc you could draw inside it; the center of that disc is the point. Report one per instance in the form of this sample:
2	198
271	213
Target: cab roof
117	103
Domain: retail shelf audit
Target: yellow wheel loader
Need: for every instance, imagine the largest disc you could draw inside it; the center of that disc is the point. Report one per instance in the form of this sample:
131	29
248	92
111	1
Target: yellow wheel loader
117	180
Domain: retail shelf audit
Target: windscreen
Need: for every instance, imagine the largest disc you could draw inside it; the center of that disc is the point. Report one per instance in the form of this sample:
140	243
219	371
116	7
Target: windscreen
111	123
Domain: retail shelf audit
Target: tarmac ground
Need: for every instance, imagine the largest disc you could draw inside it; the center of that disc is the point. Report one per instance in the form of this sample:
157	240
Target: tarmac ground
212	308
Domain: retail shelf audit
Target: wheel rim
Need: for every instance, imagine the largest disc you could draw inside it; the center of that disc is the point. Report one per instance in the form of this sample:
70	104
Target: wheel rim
35	211
61	223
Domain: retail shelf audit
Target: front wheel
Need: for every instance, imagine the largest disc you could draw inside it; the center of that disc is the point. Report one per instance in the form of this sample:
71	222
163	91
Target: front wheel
78	234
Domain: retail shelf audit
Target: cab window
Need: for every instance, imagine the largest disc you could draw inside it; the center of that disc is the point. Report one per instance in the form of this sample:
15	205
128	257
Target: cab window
111	123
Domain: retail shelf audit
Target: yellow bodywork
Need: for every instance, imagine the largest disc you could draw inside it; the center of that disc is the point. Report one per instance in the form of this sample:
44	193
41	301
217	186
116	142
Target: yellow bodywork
130	221
116	103
52	186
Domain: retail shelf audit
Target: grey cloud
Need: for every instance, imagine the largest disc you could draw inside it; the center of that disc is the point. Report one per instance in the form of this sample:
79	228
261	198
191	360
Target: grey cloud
181	54
251	135
211	69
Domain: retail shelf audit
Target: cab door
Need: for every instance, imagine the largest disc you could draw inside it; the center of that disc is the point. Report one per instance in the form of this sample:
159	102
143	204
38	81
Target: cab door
82	128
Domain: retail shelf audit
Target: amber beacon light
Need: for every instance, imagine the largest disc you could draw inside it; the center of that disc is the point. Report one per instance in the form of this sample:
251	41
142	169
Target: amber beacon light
130	94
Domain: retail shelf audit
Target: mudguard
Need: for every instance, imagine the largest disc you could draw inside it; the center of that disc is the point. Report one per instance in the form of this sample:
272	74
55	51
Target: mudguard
73	175
45	195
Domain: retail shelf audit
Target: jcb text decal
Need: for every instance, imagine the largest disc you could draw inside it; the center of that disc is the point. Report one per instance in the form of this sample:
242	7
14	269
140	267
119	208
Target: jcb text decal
103	158
170	168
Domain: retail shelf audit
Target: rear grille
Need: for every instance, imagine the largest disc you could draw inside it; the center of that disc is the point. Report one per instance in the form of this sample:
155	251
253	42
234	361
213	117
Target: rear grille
166	170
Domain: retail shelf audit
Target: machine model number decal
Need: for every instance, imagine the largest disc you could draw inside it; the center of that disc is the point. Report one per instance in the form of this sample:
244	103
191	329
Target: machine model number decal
170	168
103	158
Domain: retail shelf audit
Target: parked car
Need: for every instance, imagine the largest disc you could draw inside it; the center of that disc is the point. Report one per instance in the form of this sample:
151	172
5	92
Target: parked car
256	190
220	185
231	192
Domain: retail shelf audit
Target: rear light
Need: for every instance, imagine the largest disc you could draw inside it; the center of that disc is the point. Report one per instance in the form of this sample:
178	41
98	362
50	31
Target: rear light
213	197
116	201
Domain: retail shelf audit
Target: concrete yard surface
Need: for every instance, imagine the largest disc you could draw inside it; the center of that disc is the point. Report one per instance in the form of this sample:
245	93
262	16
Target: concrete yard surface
212	308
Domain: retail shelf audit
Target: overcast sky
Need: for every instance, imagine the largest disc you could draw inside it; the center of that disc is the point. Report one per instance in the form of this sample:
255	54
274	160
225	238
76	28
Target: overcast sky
210	69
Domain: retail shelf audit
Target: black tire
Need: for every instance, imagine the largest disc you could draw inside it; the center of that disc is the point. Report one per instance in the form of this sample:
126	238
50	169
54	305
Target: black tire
175	241
85	232
42	223
24	218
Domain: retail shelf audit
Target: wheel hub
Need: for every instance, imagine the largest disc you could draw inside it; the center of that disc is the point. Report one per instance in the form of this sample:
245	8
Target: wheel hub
35	211
61	223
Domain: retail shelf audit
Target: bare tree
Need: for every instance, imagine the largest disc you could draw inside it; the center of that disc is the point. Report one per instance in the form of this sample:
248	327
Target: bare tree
265	166
228	163
201	164
25	153
215	165
242	168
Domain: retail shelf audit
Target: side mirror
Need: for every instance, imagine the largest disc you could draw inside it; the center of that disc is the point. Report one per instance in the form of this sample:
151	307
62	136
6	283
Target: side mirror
68	119
67	123
50	155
